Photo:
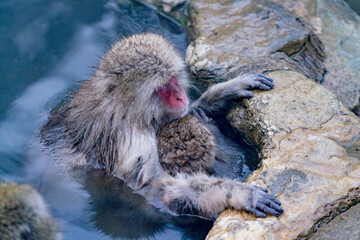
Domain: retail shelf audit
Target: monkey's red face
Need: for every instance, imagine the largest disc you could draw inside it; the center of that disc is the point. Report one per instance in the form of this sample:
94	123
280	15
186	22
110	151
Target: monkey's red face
173	96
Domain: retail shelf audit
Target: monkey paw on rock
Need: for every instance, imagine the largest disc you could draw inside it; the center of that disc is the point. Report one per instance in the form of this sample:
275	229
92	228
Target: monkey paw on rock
257	201
216	98
249	81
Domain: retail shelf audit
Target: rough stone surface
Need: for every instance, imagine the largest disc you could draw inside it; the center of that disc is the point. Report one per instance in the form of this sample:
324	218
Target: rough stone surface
174	8
167	5
302	129
344	226
229	36
338	27
307	138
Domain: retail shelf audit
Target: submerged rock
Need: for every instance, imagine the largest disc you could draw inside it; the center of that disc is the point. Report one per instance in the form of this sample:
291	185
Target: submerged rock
338	27
174	8
301	129
166	5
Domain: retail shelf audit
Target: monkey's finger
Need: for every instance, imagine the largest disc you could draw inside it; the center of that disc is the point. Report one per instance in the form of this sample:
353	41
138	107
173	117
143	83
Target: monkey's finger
263	87
273	204
257	213
196	114
262	188
262	207
245	94
255	75
267	81
275	200
259	84
200	114
267	78
203	115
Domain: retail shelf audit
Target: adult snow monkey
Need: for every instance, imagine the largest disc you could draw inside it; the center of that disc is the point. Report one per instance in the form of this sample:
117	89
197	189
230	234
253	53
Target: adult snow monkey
111	122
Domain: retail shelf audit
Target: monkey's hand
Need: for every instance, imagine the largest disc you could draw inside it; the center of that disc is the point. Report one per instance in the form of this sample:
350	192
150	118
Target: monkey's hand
200	115
216	98
248	81
207	196
255	200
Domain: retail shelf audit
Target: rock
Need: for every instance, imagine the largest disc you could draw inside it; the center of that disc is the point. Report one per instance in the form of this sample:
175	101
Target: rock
174	8
301	129
167	5
341	227
338	28
306	136
170	5
24	214
229	36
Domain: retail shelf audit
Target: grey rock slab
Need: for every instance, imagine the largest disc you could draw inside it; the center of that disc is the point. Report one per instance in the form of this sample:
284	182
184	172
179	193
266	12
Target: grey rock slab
305	161
344	226
226	36
338	28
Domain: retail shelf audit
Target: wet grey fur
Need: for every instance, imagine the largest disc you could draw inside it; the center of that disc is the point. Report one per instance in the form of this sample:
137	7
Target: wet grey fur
24	214
112	120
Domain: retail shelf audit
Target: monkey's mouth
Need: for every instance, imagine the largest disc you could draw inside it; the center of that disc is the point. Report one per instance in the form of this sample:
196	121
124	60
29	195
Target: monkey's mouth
178	112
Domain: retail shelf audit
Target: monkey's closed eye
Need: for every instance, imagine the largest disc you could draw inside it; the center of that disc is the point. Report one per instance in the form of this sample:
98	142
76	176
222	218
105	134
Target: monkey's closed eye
116	73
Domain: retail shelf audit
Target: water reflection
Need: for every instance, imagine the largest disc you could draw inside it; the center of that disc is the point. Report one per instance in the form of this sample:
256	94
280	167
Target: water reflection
121	213
354	4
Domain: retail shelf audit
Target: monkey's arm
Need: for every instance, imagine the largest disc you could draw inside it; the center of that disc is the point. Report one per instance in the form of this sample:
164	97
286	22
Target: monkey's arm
207	196
217	96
